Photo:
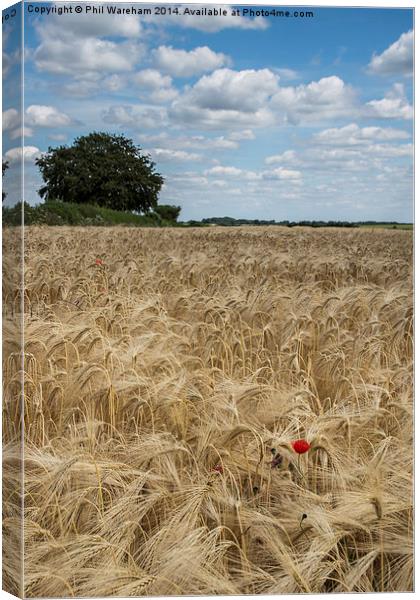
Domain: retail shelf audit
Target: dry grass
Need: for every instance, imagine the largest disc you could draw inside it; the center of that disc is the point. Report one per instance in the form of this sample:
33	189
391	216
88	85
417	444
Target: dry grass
188	350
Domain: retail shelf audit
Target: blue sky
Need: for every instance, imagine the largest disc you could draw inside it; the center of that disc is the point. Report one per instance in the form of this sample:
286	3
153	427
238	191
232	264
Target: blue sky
266	117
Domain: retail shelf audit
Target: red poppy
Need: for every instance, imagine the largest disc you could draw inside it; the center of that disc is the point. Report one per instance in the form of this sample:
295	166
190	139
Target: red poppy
98	261
301	446
218	469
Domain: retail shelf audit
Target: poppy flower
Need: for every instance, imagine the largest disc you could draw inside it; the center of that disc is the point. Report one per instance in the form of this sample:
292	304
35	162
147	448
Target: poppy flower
98	261
218	469
300	446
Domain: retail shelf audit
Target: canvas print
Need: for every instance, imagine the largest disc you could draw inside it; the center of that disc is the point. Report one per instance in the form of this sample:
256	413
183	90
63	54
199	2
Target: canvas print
207	299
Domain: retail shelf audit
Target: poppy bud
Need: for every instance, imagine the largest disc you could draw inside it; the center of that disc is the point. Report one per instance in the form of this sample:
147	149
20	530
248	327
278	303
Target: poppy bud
218	469
98	261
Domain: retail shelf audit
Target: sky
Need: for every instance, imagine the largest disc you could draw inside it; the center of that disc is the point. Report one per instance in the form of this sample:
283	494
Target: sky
250	117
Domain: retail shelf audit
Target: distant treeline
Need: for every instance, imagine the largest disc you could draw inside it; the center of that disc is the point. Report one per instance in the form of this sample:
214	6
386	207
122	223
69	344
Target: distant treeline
53	212
231	222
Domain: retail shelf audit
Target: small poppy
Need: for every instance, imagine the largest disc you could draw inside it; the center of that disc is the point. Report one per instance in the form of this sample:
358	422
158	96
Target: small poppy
98	261
218	469
300	446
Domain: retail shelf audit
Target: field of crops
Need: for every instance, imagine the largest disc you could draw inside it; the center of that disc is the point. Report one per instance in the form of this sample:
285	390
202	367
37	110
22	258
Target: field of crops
168	373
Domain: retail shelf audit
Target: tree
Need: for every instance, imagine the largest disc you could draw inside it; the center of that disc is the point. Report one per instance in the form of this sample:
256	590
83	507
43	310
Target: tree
4	167
103	169
168	211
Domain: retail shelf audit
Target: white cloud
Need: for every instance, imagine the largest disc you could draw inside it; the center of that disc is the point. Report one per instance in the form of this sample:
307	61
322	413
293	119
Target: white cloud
10	57
158	86
152	79
389	151
80	88
282	173
136	116
327	98
207	23
227	99
397	59
244	134
21	132
199	141
10	119
163	95
92	25
243	91
394	106
60	54
289	156
28	153
353	135
165	155
220	171
279	173
114	83
38	115
196	141
183	63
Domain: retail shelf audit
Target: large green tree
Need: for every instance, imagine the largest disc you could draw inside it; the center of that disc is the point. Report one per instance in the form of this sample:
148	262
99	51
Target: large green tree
168	211
103	169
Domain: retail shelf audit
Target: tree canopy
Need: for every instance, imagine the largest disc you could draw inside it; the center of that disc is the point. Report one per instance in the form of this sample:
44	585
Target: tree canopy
168	211
103	169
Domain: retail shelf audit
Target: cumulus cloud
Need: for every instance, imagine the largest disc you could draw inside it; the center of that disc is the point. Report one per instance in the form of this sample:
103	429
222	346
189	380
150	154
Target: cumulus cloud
390	151
210	24
196	141
243	91
327	98
350	149
39	115
244	134
114	83
279	173
289	156
165	155
90	83
75	44
102	25
152	79
21	132
394	106
10	119
395	60
136	116
80	88
27	153
220	171
61	55
353	135
183	63
227	99
10	55
282	173
157	86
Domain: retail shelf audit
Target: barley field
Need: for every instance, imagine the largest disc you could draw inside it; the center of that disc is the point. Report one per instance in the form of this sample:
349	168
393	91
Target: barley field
168	373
